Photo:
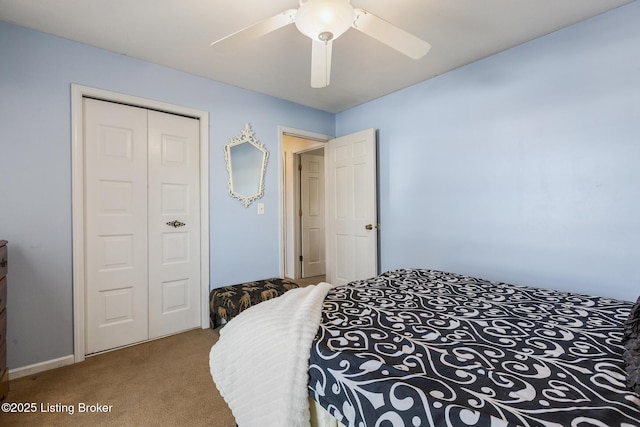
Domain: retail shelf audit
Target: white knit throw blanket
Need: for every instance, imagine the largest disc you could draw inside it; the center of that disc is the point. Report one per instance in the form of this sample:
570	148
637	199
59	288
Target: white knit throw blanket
260	363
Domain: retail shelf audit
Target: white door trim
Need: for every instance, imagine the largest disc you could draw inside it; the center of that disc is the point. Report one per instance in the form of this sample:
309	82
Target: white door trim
288	219
77	159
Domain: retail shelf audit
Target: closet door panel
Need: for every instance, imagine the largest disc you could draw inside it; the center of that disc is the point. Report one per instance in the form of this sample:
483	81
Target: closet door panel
174	224
115	225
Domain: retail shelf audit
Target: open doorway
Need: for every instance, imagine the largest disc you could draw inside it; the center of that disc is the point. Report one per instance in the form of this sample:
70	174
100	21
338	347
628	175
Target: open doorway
303	206
350	189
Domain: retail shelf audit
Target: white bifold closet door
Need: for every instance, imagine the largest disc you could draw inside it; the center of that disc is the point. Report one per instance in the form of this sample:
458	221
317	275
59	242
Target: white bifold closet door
142	224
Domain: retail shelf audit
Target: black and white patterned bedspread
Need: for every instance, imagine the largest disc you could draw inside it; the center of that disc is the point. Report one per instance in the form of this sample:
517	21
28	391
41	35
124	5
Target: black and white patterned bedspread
428	348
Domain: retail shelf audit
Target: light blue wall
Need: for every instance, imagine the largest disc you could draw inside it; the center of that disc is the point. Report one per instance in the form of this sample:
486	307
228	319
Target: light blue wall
36	71
523	167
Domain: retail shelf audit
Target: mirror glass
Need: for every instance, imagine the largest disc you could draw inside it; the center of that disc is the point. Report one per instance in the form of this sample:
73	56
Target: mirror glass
246	163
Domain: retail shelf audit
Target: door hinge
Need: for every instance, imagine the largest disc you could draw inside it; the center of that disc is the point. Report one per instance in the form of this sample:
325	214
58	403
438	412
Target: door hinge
300	167
299	212
300	258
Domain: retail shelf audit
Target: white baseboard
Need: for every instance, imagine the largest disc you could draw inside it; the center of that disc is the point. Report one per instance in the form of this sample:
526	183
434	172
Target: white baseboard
40	367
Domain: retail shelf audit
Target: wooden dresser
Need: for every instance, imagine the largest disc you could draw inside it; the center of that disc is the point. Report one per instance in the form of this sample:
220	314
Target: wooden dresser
4	372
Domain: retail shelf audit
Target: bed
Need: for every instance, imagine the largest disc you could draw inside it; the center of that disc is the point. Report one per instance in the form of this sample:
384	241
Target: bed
419	347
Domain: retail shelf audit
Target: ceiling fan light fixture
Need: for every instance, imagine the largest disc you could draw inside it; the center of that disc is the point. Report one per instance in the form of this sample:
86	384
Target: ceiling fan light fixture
324	20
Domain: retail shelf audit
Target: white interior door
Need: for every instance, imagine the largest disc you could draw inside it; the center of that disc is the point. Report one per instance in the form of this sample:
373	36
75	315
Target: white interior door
116	225
351	213
142	276
174	223
313	214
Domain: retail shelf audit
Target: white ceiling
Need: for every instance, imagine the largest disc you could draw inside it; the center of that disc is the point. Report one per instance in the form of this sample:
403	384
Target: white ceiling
178	33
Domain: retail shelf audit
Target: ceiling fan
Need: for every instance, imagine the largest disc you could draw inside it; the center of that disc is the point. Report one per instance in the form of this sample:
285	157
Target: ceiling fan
323	21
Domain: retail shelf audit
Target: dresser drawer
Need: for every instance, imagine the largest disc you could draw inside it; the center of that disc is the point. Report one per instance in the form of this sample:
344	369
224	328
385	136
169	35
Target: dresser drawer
3	328
3	293
3	356
4	260
4	372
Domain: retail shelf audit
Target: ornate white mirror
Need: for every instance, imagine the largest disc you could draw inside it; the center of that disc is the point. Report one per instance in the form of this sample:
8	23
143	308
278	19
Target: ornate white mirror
246	163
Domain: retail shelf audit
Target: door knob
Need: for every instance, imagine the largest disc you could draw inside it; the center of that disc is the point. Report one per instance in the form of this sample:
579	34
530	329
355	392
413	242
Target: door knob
371	226
176	223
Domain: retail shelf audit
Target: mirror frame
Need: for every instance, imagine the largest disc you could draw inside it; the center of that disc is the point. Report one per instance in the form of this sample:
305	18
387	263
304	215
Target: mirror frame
246	136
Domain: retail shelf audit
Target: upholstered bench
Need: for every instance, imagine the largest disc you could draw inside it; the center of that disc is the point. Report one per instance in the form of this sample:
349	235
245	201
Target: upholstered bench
228	301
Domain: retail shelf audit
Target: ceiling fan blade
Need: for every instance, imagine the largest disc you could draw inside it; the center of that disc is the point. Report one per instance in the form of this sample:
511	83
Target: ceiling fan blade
261	28
389	34
320	63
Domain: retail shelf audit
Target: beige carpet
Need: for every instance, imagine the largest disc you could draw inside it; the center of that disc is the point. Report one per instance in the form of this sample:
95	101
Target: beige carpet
160	383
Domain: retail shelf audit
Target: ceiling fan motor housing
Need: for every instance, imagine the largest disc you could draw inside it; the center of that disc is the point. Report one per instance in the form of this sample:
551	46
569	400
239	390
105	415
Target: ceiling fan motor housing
324	20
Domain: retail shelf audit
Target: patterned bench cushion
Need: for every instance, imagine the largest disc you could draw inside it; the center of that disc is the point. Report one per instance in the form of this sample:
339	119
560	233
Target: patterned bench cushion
228	301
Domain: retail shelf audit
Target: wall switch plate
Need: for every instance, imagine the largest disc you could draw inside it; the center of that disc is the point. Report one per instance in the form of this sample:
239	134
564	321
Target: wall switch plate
260	208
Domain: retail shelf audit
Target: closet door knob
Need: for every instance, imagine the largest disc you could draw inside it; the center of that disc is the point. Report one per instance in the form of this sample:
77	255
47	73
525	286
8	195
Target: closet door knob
175	223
